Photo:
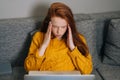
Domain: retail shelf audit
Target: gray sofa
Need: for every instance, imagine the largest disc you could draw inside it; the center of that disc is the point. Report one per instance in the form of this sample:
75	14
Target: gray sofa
101	31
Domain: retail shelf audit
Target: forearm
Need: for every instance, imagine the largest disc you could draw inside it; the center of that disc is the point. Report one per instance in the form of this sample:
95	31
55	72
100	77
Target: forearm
33	63
81	62
41	50
84	65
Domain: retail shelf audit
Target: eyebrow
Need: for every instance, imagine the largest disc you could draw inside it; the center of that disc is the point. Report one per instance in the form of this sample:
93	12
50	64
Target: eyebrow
59	26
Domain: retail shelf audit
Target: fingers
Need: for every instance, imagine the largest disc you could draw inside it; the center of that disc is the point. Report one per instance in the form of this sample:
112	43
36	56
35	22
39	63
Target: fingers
69	30
47	35
70	39
50	25
49	28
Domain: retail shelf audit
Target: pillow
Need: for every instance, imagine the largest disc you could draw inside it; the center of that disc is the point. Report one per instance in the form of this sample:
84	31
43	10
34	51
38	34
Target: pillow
112	44
88	29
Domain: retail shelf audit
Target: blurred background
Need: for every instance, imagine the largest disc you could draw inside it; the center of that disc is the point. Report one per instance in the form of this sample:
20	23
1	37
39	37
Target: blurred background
29	8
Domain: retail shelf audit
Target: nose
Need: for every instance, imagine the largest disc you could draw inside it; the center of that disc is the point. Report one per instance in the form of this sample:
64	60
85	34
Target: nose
58	30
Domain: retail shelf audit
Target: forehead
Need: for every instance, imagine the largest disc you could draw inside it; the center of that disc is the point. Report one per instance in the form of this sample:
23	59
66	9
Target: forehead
58	21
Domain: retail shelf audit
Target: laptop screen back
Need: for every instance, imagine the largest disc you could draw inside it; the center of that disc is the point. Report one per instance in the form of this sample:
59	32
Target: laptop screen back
57	76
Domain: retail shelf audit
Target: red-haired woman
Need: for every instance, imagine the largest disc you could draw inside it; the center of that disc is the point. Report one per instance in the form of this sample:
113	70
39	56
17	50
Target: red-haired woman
58	46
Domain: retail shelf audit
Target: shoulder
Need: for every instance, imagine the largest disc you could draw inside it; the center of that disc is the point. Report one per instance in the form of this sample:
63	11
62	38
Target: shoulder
38	34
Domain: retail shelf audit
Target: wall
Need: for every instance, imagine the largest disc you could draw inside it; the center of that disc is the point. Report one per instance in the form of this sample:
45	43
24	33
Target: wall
27	8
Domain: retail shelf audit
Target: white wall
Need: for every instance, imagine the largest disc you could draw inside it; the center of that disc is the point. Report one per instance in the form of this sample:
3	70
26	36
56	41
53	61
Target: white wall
27	8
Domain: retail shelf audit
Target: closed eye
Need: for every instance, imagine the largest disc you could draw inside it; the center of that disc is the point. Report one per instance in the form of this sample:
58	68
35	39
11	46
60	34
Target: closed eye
63	27
54	26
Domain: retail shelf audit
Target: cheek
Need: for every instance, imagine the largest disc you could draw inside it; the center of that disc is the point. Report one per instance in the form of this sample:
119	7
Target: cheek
53	30
65	30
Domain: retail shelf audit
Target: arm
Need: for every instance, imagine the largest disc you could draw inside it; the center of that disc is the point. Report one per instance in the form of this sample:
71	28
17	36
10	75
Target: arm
81	62
37	49
34	60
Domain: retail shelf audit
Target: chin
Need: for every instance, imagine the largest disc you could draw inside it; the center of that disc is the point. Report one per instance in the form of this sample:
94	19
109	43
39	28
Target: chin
59	37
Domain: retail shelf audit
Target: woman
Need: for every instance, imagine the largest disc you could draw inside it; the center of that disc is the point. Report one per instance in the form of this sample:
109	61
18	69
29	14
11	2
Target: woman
58	46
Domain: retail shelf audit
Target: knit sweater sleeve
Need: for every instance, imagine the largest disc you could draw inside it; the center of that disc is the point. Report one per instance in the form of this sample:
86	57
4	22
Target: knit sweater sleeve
33	60
81	62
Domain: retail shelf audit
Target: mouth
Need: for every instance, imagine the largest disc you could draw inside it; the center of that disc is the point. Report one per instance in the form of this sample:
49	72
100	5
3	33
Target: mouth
58	35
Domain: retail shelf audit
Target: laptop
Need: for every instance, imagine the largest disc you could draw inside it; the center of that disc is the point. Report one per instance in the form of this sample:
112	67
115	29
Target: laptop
52	75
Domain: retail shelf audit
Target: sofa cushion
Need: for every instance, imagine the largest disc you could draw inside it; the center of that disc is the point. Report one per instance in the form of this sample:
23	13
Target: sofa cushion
102	21
5	68
96	73
6	77
88	29
109	72
18	73
112	43
15	39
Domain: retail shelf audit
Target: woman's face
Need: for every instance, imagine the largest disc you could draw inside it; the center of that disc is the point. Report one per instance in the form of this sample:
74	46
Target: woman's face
59	26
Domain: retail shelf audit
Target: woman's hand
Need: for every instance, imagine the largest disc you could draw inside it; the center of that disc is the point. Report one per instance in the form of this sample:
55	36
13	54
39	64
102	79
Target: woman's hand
46	40
47	35
70	39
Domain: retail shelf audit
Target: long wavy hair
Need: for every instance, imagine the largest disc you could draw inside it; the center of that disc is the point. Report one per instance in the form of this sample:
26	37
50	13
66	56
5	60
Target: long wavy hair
61	10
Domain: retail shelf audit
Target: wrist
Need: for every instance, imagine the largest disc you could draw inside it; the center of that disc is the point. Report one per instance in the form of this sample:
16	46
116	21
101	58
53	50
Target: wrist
42	50
72	48
44	46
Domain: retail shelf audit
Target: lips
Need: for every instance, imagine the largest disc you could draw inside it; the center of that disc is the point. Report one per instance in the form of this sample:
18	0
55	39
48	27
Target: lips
58	35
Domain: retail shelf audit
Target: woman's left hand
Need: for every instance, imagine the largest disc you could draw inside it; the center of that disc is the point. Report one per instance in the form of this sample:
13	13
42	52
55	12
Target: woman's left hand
70	42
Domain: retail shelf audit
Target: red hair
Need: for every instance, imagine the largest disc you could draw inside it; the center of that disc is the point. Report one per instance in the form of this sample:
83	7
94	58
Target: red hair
63	11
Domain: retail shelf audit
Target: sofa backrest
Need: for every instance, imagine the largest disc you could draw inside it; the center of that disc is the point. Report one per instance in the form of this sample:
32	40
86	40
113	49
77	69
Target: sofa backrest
15	35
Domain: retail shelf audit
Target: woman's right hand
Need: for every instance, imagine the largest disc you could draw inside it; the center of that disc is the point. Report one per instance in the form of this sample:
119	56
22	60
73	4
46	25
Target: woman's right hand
46	40
47	35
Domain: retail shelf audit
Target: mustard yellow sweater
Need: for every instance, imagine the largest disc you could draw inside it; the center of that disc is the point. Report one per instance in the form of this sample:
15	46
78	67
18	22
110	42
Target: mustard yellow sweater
57	57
